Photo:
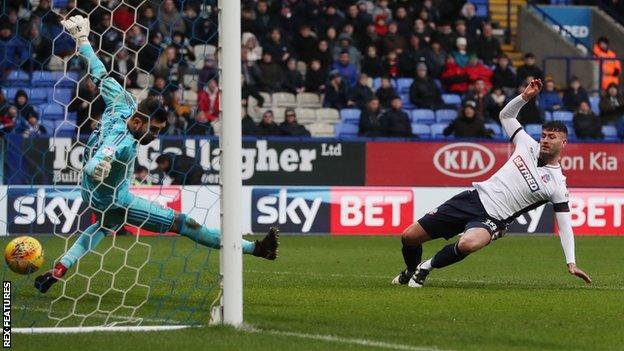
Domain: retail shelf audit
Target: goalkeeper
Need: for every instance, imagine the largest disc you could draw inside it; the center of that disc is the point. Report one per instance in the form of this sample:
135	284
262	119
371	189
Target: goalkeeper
108	164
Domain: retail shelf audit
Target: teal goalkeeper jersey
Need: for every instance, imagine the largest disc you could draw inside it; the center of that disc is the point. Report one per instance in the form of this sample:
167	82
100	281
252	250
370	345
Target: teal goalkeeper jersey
111	138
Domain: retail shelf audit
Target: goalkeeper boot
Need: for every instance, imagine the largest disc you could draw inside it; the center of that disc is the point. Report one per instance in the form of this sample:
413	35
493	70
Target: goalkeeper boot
418	280
267	247
46	280
403	277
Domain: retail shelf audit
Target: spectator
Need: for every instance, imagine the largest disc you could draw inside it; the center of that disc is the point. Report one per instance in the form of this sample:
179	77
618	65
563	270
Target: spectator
475	70
424	32
185	50
162	89
386	93
454	78
358	19
330	18
370	119
24	109
462	32
487	46
529	69
478	95
207	72
335	92
549	98
495	102
324	54
249	90
182	169
147	18
271	76
394	121
611	105
402	19
586	124
123	17
411	56
170	19
305	43
290	126
254	51
504	76
360	93
611	68
371	64
473	23
248	126
124	70
331	42
267	126
369	38
8	115
293	79
30	127
346	69
263	19
445	36
170	65
175	126
315	78
41	49
208	101
199	29
88	107
574	95
461	52
135	39
141	176
529	113
149	54
278	47
250	70
390	65
109	37
393	40
14	51
436	59
424	92
468	124
200	125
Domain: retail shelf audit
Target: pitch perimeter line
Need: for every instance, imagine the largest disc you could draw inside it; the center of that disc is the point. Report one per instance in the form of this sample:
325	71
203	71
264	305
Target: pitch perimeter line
343	340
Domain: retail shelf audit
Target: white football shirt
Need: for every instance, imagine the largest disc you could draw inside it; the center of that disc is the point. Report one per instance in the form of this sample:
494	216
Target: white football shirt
520	185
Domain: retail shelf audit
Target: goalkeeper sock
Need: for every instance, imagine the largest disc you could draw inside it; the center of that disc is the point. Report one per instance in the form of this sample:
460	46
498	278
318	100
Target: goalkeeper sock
210	237
447	256
88	240
412	256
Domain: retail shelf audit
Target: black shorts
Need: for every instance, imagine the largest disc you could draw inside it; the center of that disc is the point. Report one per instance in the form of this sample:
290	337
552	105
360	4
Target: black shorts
460	213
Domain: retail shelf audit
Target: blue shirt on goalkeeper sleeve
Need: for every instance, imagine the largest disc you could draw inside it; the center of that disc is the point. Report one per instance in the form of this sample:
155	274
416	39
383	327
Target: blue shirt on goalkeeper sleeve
111	138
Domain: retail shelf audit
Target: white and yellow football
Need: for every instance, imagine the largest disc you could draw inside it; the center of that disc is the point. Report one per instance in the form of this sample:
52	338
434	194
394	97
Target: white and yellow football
24	255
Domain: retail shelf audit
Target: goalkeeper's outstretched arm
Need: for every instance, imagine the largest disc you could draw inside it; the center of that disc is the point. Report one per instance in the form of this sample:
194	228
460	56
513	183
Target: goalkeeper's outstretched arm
509	113
112	92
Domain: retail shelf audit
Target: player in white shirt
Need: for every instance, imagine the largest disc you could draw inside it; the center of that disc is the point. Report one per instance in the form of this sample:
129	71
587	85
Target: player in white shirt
530	178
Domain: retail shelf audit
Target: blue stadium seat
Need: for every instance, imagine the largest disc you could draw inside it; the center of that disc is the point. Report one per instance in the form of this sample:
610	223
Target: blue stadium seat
563	116
422	130
65	127
437	130
49	125
548	116
38	96
610	132
51	111
18	78
534	130
452	99
571	131
377	83
496	128
62	95
423	116
346	130
54	79
9	93
445	115
594	102
350	115
403	85
407	104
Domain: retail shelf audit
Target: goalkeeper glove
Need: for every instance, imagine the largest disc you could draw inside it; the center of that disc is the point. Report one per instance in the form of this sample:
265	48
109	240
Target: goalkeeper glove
102	170
78	27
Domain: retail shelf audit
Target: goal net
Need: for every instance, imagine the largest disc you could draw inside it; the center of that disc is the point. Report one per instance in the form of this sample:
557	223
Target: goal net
134	277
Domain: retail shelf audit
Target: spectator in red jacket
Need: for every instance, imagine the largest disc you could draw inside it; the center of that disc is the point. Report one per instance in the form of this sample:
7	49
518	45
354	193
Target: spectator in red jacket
208	101
477	70
454	78
123	17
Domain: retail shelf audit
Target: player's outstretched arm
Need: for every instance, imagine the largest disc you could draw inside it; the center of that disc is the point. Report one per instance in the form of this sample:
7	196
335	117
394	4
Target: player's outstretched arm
112	92
510	112
564	222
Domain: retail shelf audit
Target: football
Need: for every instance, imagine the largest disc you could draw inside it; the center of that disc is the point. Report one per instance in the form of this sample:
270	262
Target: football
24	255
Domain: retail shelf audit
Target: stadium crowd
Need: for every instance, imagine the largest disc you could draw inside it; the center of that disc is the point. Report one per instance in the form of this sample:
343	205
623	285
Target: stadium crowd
383	62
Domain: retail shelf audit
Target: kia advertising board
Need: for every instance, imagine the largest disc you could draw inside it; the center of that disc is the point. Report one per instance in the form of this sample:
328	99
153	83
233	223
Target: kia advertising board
461	163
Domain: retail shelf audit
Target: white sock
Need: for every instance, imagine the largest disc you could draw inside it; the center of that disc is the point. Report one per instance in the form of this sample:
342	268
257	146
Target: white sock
426	265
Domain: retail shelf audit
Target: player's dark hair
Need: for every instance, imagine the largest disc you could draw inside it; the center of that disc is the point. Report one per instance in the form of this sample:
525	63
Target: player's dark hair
163	158
555	126
139	169
152	108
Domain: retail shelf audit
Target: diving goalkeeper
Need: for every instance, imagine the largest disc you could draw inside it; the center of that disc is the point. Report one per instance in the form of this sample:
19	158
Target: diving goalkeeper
108	165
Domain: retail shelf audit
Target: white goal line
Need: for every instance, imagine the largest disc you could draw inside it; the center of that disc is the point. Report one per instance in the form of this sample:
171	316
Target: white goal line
74	330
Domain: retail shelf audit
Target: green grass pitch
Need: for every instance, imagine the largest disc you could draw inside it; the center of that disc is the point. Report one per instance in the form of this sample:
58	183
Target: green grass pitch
333	293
